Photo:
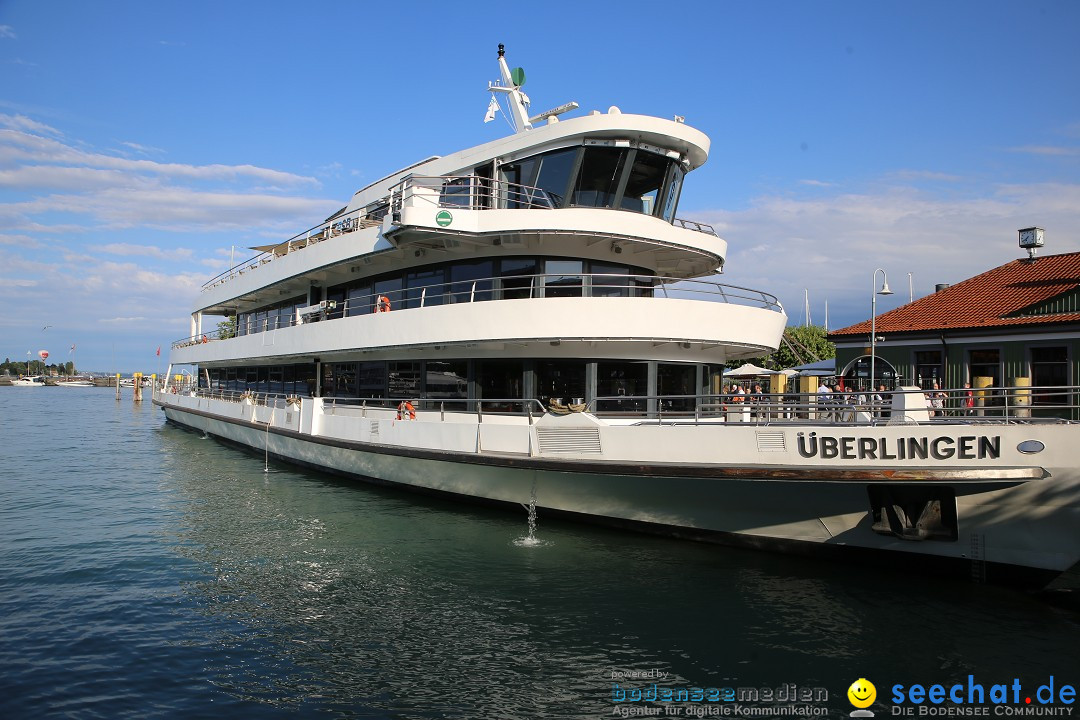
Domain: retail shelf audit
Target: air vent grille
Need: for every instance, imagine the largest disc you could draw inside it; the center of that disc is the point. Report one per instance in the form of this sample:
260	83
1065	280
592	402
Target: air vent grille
772	441
568	440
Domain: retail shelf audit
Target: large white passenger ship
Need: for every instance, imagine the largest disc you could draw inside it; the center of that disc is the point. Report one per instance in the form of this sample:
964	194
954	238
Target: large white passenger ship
529	321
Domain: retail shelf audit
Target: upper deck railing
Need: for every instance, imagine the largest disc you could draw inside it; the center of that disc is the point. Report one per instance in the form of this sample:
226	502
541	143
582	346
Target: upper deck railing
472	192
464	192
509	287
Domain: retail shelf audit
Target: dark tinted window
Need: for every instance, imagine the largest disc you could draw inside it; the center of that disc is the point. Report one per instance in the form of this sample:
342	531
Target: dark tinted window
643	186
513	286
471	282
424	288
554	176
446	380
621	380
598	180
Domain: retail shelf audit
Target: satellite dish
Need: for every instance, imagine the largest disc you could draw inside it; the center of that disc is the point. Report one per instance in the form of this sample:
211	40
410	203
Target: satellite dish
517	76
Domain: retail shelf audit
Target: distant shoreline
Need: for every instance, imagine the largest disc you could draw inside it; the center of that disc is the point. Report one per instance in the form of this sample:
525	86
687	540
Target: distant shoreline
5	381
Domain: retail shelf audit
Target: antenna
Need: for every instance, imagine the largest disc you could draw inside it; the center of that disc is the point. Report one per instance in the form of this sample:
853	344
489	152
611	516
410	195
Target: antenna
510	83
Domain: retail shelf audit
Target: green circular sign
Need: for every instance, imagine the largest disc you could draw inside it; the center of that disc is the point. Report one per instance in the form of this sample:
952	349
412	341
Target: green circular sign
443	218
517	76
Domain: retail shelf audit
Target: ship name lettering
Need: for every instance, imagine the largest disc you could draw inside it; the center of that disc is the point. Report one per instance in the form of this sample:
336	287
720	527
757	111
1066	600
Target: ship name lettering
944	447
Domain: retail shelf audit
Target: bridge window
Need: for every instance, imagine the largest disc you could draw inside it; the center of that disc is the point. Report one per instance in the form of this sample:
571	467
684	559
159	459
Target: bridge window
598	182
554	176
644	183
671	193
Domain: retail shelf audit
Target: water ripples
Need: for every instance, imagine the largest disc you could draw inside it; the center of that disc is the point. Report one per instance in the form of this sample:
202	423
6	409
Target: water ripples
146	572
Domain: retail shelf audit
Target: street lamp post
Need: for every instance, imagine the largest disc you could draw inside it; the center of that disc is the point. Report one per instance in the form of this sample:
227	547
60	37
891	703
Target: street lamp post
873	320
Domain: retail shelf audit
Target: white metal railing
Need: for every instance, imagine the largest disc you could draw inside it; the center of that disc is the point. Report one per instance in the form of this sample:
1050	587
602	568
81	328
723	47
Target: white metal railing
994	405
1048	404
471	192
336	225
466	192
514	287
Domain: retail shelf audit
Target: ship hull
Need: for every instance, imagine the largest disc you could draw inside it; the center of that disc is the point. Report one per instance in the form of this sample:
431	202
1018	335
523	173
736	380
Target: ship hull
1004	523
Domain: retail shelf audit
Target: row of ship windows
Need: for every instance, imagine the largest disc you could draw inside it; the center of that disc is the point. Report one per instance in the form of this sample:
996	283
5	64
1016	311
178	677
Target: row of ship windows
469	281
451	383
595	175
619	178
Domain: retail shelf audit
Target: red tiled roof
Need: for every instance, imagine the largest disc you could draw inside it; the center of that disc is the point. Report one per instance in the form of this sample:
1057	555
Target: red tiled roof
986	300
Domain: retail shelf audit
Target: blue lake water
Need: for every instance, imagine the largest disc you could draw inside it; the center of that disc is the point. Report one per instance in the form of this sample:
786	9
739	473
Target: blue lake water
148	572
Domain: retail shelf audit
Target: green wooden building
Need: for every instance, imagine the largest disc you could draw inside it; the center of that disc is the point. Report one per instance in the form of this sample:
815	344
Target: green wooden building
1016	326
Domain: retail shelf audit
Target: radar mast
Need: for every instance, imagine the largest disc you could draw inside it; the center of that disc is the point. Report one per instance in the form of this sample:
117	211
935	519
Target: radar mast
511	83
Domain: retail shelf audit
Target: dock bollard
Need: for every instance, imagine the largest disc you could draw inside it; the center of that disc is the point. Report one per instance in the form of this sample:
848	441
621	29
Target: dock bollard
982	394
138	387
118	387
1021	397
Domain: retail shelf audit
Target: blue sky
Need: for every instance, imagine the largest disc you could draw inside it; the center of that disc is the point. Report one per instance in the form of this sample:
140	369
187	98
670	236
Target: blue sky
140	142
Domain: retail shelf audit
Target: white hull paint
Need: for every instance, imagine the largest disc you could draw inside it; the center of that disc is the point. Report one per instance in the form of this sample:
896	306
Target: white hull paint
1016	518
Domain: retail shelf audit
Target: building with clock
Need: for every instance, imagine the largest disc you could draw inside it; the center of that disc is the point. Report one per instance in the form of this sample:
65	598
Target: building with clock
1015	326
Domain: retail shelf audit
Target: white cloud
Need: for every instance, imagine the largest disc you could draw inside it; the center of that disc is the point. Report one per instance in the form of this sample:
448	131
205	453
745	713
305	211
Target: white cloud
23	123
111	192
830	246
6	31
130	249
18	146
911	175
181	209
51	177
143	149
1051	150
7	284
121	320
23	241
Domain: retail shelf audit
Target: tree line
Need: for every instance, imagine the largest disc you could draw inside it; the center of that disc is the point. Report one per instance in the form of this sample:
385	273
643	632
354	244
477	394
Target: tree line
37	367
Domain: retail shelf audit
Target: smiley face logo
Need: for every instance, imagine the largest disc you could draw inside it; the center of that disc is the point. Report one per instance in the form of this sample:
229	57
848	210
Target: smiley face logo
862	693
